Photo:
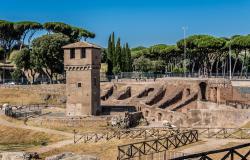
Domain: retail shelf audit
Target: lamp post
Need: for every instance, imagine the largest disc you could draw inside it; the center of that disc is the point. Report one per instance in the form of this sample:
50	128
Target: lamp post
185	48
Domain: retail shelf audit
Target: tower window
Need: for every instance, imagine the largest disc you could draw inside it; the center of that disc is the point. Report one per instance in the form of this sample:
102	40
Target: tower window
72	53
83	53
79	85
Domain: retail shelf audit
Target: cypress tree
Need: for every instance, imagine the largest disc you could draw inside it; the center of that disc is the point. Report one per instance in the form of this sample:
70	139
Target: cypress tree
128	58
113	59
109	56
123	62
118	57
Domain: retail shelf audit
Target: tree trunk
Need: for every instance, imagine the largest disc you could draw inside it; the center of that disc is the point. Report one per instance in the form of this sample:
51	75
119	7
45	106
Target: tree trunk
223	71
243	63
32	74
193	67
217	67
50	75
236	60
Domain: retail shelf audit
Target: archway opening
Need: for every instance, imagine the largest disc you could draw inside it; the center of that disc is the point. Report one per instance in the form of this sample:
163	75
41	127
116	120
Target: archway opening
188	92
203	88
159	116
146	113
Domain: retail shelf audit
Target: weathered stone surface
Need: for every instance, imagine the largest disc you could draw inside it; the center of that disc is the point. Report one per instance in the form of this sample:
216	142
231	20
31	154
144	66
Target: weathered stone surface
157	96
124	94
106	93
71	156
12	156
145	92
46	97
127	120
62	99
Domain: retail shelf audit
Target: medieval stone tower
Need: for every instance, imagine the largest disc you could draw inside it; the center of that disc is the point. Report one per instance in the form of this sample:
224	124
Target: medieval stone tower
82	63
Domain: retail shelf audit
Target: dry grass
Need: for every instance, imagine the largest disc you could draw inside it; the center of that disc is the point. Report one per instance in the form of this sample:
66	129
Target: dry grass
180	149
25	97
15	96
231	144
84	126
12	120
104	150
247	125
22	139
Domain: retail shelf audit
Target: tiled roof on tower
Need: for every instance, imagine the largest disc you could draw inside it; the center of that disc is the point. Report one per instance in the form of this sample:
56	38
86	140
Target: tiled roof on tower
81	45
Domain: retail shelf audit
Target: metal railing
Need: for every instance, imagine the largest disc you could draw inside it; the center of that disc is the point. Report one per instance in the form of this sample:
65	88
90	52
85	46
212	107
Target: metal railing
138	76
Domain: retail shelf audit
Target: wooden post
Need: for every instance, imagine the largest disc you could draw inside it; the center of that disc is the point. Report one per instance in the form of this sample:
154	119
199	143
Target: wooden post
74	136
165	155
232	154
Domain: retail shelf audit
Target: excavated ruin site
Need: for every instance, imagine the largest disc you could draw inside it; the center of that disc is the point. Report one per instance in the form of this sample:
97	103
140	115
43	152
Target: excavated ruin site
189	102
194	115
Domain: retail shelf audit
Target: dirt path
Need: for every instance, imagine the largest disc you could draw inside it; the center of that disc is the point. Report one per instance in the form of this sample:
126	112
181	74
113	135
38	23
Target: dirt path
211	144
53	146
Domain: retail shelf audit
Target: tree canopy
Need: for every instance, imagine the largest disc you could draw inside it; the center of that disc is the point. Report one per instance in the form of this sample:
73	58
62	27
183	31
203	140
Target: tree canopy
47	52
74	33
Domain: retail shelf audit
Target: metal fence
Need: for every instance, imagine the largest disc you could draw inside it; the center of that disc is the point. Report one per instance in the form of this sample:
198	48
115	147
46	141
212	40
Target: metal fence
138	76
144	76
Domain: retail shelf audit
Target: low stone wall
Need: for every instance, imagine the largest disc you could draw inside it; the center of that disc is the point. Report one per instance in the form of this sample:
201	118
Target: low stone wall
217	117
40	88
211	116
70	122
158	114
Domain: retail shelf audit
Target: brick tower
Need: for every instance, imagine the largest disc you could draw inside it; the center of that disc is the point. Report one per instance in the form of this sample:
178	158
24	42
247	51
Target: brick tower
82	63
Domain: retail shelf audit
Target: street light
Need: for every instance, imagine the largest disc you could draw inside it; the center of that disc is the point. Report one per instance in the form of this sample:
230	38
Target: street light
185	48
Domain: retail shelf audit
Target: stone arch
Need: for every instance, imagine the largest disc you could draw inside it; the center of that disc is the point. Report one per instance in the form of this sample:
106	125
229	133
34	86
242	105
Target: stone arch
188	91
203	89
159	116
146	113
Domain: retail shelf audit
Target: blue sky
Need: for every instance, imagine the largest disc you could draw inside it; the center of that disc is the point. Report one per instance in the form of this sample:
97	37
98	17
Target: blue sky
139	22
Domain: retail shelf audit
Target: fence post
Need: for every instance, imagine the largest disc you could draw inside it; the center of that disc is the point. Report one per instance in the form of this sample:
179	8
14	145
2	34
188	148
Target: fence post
241	133
74	136
165	156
